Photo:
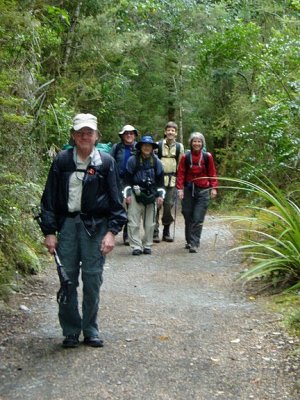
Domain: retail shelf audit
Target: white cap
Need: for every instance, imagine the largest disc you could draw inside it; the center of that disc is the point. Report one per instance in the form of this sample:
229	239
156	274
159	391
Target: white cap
84	120
128	128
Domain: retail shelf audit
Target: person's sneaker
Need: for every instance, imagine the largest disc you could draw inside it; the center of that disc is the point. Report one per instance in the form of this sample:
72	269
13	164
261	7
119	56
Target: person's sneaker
93	341
126	242
187	246
193	250
147	250
156	239
136	252
71	341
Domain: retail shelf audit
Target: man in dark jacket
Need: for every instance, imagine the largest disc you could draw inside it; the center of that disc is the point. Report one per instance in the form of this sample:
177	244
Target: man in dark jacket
81	214
121	152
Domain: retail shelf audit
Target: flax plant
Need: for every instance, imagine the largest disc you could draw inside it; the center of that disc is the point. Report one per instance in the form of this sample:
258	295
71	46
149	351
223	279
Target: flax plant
272	236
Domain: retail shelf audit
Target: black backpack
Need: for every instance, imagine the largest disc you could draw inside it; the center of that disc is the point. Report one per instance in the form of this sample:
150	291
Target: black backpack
116	149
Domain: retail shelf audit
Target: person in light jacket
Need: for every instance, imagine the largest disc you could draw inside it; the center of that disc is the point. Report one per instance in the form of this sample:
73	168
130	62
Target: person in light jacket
169	152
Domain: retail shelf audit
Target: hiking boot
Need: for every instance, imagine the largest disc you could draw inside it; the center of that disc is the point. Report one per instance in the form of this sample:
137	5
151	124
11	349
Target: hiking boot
192	250
147	250
166	234
167	238
71	341
156	238
93	341
136	252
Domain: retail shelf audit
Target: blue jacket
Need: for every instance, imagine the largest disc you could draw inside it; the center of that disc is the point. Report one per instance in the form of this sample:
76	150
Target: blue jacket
121	153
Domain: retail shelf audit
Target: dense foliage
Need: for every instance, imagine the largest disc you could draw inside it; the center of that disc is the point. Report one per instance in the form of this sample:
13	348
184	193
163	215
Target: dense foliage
271	232
228	68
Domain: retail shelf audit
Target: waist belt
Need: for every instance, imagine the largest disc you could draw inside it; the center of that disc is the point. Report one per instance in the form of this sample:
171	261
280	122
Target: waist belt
170	173
73	214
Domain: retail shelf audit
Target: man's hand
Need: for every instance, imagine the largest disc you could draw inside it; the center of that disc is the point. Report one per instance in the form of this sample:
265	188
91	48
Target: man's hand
50	242
159	201
180	194
128	200
108	243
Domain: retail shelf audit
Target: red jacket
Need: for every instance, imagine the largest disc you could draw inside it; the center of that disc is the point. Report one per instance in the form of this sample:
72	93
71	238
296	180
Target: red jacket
196	173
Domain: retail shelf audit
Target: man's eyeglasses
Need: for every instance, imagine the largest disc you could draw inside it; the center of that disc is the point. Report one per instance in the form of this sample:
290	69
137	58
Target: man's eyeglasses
88	132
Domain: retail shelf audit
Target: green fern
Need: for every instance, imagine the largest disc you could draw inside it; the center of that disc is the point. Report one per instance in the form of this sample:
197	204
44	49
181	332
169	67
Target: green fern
272	235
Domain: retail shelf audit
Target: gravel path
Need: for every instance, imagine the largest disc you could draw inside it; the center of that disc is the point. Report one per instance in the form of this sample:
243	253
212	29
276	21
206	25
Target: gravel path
176	326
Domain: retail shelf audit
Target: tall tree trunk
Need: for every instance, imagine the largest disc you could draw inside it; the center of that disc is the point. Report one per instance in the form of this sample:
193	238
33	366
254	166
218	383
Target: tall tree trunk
172	71
71	37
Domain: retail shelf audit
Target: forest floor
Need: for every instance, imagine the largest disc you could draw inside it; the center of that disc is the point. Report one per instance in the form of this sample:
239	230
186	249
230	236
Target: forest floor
176	326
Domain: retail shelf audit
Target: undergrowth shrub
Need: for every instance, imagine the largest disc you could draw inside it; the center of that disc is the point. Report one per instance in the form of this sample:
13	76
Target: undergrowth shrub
271	233
19	236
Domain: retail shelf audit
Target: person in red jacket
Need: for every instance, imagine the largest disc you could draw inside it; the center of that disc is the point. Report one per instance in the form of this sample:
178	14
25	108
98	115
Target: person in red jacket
196	182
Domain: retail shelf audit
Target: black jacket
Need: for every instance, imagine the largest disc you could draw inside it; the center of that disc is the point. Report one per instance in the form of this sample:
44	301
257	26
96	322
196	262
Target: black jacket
101	197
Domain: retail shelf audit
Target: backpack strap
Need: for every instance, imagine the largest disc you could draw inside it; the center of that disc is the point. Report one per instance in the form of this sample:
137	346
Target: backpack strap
177	152
65	160
159	149
116	148
188	159
206	160
138	163
105	158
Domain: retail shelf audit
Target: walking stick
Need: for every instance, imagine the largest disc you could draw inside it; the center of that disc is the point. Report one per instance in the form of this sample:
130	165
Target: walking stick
63	294
175	214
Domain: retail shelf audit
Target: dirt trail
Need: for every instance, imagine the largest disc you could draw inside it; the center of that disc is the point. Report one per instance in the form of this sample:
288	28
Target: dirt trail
175	326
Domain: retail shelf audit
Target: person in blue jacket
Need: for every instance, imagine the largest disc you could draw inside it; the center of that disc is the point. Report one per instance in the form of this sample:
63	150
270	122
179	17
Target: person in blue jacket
121	152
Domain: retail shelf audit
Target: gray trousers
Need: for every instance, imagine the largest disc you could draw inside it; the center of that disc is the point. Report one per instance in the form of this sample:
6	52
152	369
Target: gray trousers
194	207
78	251
139	213
167	217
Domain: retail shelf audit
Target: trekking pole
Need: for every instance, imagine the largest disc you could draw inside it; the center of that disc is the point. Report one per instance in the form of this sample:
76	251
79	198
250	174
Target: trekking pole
175	214
63	294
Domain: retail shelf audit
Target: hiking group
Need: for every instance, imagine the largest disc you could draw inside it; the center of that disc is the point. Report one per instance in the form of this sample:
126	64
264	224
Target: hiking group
90	196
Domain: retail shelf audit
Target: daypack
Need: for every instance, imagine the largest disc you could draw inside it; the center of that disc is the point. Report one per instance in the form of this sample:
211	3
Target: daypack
104	147
188	159
159	151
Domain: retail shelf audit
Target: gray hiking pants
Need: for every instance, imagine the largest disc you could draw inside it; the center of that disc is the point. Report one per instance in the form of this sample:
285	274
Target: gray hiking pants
78	251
